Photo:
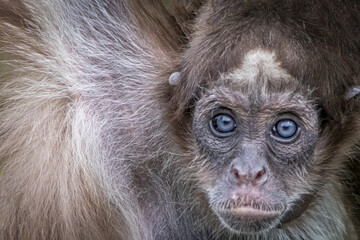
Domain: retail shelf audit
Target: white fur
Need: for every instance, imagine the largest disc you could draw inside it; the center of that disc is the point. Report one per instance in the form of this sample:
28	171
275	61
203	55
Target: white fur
258	67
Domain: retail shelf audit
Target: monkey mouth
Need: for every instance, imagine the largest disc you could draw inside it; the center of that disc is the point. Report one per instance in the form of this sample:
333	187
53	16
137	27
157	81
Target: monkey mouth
246	218
248	212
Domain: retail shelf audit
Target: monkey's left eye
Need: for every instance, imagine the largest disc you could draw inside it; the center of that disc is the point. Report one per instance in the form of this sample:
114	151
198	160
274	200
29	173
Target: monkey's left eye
223	125
285	130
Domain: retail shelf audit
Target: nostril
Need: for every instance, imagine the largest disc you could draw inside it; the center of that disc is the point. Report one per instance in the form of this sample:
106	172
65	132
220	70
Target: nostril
238	176
235	172
259	177
260	174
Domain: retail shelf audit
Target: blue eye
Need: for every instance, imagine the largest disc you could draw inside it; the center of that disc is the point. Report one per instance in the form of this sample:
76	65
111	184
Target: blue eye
223	125
285	129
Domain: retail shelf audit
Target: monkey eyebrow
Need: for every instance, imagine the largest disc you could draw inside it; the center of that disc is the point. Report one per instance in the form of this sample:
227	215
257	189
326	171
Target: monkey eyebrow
174	78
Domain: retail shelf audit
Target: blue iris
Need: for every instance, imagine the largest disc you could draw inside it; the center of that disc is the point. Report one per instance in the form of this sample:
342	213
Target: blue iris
223	123
285	128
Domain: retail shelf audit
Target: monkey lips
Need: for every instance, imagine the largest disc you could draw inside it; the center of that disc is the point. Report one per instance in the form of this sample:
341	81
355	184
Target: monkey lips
248	216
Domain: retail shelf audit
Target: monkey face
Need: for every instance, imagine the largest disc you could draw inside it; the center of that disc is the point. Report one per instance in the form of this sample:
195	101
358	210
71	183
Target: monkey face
256	143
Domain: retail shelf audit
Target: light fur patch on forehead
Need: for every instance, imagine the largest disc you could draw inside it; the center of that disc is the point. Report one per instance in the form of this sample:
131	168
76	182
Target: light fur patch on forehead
258	67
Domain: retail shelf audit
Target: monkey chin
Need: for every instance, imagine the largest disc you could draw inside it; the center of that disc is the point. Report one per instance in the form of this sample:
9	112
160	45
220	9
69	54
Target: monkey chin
247	219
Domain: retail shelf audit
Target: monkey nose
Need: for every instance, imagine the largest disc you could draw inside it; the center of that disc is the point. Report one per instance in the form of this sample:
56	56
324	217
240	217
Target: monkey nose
256	175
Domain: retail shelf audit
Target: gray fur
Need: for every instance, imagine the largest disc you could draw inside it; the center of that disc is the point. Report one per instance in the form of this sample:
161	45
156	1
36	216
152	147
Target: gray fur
89	148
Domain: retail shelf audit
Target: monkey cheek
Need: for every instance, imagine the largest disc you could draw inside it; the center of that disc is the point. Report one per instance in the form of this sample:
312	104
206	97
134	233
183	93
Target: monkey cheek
247	220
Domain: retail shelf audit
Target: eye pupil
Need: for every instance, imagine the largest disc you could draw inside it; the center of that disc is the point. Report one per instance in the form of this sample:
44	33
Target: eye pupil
222	124
285	128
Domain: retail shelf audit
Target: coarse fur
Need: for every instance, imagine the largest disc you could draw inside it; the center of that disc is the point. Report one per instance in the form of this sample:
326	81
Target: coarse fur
96	144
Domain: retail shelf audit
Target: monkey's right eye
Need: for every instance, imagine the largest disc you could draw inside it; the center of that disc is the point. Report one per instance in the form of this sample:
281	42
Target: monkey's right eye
223	125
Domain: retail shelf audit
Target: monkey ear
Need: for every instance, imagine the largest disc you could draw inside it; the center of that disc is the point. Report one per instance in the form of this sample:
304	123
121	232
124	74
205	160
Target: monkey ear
352	92
174	78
